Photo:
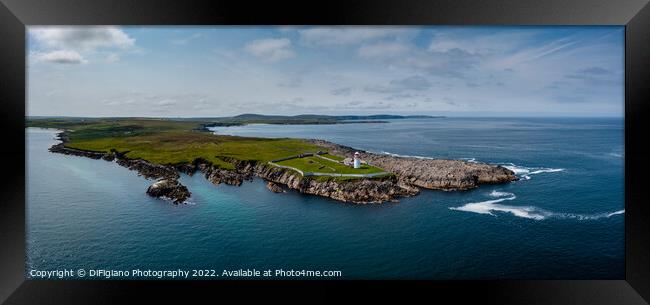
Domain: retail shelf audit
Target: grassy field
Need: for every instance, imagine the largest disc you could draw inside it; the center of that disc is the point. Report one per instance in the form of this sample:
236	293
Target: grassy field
171	142
320	165
333	157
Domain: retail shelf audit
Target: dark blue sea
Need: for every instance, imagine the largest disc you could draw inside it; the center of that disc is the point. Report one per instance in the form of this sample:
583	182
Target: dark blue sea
564	219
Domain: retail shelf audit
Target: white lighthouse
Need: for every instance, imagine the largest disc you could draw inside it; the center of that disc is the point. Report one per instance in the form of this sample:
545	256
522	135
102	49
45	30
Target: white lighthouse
357	162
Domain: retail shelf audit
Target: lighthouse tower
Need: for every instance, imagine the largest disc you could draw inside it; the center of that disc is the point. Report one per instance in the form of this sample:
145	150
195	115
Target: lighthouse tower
357	161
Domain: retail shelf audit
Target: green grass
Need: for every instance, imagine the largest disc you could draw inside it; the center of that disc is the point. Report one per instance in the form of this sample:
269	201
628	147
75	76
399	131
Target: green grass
334	157
316	164
170	142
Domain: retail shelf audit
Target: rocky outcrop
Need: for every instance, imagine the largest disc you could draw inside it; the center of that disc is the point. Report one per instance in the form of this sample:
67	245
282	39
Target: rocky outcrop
149	170
169	188
244	171
61	149
434	174
168	185
274	187
360	191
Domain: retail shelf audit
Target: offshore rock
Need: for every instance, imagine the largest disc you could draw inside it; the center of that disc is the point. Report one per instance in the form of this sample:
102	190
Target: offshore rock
169	188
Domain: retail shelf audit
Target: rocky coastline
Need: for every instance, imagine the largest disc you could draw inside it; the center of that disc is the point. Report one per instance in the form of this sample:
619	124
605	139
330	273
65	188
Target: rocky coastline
410	175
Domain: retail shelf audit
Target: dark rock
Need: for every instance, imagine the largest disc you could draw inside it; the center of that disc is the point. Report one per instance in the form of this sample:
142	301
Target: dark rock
109	157
359	191
187	169
435	174
61	149
274	187
149	170
169	188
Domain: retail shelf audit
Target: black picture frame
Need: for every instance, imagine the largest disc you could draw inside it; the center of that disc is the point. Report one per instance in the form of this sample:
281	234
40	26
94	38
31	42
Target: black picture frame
15	15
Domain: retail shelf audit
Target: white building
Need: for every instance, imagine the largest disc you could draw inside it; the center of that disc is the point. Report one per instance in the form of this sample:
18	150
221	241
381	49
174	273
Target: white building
357	161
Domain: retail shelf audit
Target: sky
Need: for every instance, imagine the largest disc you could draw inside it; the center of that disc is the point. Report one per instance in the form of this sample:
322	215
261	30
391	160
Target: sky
287	70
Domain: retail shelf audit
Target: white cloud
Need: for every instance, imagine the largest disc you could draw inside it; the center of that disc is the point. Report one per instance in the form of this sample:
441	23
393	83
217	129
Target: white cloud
73	44
186	40
531	54
347	35
383	50
82	38
59	56
112	57
166	102
485	44
271	49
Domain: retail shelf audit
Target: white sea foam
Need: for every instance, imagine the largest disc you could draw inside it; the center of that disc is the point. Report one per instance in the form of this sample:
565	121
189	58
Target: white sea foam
498	194
470	160
406	156
490	207
588	216
525	172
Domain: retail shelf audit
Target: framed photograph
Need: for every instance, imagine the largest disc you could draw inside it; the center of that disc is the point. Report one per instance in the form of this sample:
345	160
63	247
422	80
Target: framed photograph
491	152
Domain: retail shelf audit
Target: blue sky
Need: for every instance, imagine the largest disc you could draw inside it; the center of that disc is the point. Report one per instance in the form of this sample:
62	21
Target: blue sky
229	70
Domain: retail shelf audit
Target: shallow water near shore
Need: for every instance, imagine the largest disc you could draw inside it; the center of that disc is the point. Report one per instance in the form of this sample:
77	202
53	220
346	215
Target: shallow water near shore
563	219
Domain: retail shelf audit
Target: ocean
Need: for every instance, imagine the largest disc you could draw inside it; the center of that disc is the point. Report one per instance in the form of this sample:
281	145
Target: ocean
564	218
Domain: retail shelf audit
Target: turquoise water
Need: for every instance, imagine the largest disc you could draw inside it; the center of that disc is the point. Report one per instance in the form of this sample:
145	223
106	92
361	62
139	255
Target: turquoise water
563	219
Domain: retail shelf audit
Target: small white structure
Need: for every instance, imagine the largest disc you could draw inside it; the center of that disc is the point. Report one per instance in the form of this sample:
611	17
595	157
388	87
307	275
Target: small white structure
357	161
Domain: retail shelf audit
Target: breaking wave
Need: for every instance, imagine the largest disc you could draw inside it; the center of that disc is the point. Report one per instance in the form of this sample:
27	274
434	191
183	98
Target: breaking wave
490	207
616	155
406	156
526	172
470	160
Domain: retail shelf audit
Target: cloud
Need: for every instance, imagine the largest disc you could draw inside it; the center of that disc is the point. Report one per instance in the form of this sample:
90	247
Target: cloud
401	96
331	36
59	57
595	71
341	91
112	57
117	102
398	86
186	40
453	62
271	49
73	44
157	101
570	98
166	102
82	38
534	53
478	44
382	50
293	82
595	76
415	82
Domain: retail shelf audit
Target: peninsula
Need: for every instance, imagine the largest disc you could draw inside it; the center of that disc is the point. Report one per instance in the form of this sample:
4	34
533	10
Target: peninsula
161	149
